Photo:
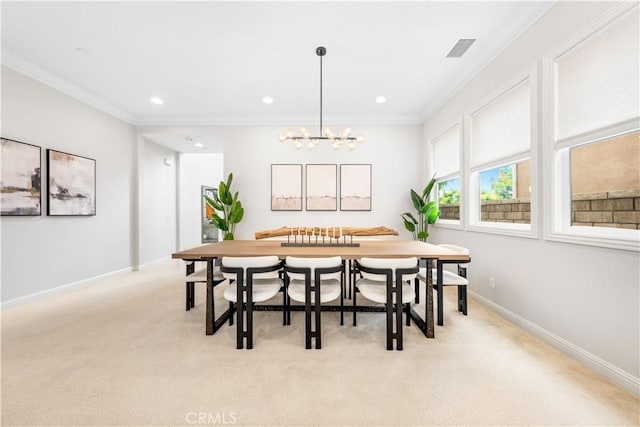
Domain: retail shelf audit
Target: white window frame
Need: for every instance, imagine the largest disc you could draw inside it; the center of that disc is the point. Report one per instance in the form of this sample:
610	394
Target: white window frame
557	162
450	223
472	195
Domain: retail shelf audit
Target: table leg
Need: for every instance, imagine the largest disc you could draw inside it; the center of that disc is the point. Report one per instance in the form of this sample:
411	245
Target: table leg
189	285
210	315
440	296
429	301
389	314
398	306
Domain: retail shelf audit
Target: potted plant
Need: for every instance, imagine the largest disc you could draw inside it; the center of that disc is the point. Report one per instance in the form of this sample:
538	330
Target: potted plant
229	206
428	213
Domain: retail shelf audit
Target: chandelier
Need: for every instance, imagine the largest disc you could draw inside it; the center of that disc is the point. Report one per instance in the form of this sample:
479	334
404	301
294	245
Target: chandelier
336	140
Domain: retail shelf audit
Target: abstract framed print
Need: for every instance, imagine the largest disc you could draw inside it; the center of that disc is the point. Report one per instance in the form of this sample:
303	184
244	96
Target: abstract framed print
355	187
286	187
71	184
20	180
322	187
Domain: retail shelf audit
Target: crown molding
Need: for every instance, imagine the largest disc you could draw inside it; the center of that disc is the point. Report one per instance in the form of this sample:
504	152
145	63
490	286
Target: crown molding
13	61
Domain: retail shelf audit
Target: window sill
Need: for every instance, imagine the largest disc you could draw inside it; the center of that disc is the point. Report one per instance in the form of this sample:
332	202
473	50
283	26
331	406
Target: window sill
506	229
628	240
448	223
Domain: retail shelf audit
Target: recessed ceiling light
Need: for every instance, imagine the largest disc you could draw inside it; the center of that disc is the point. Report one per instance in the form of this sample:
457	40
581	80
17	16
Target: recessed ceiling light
381	100
199	145
157	100
267	100
83	51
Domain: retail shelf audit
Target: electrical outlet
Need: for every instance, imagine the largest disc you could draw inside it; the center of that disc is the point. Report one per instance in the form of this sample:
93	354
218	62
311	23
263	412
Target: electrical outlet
492	282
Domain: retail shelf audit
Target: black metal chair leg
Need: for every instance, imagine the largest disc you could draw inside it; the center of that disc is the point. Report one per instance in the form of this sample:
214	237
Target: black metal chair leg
307	324
407	309
249	325
232	310
318	319
285	307
355	291
341	310
464	300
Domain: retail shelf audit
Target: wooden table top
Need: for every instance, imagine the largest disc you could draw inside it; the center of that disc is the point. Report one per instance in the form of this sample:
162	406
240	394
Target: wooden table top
372	249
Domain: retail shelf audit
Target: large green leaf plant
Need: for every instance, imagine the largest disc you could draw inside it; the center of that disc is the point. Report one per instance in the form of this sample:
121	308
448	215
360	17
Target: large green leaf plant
427	213
228	210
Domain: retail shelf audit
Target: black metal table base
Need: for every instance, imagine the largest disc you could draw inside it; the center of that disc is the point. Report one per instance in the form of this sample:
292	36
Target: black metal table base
419	321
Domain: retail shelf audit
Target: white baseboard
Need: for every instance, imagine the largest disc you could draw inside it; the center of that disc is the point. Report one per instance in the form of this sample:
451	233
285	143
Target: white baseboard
48	292
152	263
84	282
593	362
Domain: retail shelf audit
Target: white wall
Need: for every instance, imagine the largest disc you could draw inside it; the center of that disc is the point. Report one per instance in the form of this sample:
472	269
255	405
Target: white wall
587	296
158	207
40	253
394	151
195	171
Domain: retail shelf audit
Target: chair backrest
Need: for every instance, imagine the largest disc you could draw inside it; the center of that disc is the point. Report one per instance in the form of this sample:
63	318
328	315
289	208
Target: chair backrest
314	263
391	263
247	262
458	249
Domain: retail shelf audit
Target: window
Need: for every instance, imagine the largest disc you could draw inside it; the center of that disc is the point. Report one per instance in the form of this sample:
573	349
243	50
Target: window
605	183
500	161
505	193
449	199
595	188
446	164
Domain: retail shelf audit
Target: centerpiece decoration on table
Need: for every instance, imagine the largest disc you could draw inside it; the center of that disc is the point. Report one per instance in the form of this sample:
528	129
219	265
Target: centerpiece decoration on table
318	236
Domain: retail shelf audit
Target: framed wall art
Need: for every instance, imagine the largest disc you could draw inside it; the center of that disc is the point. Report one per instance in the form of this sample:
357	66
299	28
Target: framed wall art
322	187
71	184
20	179
355	187
286	187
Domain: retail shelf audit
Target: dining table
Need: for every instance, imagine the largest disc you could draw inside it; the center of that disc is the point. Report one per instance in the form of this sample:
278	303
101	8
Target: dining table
426	252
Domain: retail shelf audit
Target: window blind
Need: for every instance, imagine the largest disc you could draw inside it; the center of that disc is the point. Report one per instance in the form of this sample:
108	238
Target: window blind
446	153
597	82
503	127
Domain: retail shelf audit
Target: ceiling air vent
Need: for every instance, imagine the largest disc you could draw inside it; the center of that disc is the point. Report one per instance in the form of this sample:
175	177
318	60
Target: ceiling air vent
460	48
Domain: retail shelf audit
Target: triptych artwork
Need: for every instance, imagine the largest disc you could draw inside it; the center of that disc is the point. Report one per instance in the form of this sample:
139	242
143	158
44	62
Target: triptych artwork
321	184
71	182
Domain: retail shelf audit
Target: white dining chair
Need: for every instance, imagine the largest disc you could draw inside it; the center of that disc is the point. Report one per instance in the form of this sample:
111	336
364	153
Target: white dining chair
450	278
252	280
388	281
198	274
315	281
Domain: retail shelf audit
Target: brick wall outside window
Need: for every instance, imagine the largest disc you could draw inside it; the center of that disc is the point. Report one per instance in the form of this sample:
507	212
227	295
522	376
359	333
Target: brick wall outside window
620	209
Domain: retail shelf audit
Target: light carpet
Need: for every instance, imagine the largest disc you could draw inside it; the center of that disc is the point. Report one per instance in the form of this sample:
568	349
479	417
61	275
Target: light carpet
123	351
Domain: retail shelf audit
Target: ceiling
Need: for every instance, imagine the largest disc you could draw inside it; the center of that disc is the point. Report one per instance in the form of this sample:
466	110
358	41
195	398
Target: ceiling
213	62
